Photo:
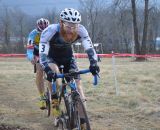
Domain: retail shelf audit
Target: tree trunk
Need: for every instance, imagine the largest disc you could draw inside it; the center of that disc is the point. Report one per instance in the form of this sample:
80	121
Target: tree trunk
136	40
145	29
7	38
21	44
140	50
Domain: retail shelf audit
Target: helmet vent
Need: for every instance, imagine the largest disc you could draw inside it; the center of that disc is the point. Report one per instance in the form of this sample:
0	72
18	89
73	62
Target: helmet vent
70	12
67	18
65	13
74	19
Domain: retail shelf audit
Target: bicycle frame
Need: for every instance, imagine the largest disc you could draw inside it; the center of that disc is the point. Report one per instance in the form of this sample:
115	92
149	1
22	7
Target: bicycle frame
74	92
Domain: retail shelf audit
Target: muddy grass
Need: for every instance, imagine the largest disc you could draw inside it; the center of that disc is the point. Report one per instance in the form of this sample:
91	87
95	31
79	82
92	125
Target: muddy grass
136	108
6	127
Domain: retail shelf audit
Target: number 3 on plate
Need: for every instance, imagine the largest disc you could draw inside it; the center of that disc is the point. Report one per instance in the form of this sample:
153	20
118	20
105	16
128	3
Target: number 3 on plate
43	48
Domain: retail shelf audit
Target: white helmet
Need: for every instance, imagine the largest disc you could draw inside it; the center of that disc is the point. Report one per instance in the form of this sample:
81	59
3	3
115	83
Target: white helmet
70	15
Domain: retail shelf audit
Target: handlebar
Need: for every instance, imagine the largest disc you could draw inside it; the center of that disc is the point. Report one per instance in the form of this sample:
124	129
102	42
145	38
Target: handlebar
95	81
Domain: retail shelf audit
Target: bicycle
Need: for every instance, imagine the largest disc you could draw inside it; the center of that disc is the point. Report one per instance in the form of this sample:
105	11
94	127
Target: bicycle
74	115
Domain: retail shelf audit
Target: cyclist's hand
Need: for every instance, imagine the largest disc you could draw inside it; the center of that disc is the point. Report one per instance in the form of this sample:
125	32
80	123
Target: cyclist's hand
34	60
72	70
94	68
50	74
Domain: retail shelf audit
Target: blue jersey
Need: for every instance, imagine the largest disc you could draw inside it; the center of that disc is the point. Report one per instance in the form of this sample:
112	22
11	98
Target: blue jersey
33	44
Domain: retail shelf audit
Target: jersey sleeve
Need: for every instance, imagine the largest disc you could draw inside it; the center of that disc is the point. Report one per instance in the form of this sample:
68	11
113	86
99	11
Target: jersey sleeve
44	46
31	37
30	46
87	44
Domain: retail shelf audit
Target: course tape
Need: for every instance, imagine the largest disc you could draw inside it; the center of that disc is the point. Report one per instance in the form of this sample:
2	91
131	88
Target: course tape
82	55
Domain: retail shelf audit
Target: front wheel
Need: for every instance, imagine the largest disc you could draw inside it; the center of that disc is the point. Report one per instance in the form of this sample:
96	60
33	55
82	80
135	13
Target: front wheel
48	105
64	120
60	124
80	116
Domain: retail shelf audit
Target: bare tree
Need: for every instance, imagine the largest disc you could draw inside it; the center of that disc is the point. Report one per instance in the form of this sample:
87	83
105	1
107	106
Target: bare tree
51	15
135	26
140	48
92	10
123	24
20	25
108	23
5	17
154	18
145	28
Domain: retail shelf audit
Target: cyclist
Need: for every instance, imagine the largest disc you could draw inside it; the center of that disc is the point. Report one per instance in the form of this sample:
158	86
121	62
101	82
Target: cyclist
33	56
55	49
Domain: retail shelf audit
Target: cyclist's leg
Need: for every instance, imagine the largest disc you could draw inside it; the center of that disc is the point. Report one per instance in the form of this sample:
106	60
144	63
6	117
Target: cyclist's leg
55	103
39	79
73	65
80	89
55	68
40	85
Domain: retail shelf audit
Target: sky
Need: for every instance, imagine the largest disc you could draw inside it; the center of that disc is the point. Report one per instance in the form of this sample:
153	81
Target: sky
37	7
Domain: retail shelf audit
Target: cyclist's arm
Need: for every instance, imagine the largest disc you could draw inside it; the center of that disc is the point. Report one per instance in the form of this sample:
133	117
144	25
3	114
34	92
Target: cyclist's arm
87	44
44	45
30	46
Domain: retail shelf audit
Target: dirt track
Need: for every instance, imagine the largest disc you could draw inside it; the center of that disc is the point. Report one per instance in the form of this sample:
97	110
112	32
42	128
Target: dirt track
137	107
19	98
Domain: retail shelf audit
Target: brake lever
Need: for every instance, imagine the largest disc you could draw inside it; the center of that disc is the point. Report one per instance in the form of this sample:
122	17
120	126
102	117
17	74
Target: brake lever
98	75
96	79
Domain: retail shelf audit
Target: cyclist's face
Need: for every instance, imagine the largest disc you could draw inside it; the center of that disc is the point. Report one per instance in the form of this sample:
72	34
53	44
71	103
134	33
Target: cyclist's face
70	27
69	31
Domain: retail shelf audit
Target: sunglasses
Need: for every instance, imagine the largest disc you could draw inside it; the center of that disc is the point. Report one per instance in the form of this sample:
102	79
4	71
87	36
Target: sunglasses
70	25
